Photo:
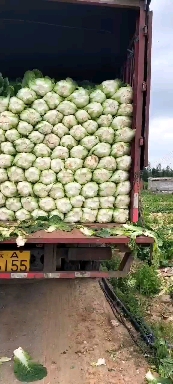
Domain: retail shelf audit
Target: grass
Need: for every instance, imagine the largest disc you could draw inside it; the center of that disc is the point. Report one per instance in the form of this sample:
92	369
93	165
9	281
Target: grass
143	284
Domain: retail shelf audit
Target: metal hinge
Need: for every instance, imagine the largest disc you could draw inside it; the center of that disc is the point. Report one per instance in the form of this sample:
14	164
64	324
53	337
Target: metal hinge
145	30
144	86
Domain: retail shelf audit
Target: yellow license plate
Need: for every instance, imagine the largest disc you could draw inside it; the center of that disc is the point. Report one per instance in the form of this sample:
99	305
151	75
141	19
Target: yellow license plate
14	261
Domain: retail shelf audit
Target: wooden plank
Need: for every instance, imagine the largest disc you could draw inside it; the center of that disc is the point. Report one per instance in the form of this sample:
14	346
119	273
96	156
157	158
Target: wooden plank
110	3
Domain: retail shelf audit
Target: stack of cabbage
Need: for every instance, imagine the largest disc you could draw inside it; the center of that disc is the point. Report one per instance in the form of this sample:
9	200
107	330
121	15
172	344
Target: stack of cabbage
65	150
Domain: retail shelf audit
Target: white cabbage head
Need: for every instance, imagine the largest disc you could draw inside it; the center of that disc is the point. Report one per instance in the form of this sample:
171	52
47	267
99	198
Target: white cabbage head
120	122
97	96
39	213
105	120
16	105
91	162
107	202
24	128
13	204
77	201
89	215
72	189
80	97
83	175
73	163
123	188
41	190
124	163
63	205
57	165
101	150
30	116
109	87
5	161
7	148
105	215
40	106
56	212
124	95
42	163
107	189
94	109
65	176
22	215
89	142
26	95
57	191
8	120
74	216
3	175
91	126
92	203
41	85
24	188
44	127
36	137
53	117
82	116
119	176
47	204
8	189
2	199
6	214
60	130
67	108
69	121
90	189
107	162
78	132
60	153
68	141
64	88
51	140
32	174
12	135
124	134
48	177
16	174
24	145
105	134
125	110
110	107
52	100
24	160
122	201
120	149
29	203
79	152
120	216
101	175
41	150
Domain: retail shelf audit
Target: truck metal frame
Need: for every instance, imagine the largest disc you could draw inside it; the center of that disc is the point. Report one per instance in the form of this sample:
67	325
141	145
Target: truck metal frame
74	246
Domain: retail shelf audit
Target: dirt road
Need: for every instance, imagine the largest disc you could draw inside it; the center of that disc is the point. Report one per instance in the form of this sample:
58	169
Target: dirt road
67	325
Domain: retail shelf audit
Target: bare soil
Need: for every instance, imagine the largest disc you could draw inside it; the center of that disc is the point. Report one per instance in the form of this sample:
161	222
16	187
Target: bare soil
67	325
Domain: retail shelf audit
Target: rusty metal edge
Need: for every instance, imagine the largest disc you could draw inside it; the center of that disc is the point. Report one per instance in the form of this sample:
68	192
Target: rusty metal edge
59	239
130	4
148	83
138	108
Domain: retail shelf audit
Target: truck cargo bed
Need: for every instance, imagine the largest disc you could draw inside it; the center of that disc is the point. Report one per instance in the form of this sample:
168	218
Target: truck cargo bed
76	236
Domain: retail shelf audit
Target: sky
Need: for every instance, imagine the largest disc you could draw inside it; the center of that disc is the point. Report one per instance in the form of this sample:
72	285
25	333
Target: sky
161	107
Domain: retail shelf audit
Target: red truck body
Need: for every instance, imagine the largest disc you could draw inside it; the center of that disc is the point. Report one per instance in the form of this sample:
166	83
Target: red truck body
96	40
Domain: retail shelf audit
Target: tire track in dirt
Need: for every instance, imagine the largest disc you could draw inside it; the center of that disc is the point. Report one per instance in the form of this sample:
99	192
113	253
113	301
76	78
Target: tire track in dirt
66	325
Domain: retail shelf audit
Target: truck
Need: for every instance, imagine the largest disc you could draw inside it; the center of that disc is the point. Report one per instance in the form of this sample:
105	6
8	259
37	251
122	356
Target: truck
88	39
